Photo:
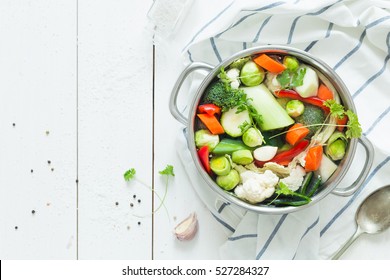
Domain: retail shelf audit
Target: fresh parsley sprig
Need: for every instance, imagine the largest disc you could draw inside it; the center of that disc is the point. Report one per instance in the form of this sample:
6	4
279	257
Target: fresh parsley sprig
354	129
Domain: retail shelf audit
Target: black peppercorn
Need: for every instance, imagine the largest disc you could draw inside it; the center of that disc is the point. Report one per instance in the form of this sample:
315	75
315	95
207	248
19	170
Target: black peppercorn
33	211
131	204
139	223
139	200
134	196
116	203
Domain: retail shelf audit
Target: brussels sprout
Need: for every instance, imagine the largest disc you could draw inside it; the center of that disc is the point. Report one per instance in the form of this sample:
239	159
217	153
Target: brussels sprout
252	74
243	157
204	137
229	181
336	146
295	108
239	62
220	165
252	137
291	63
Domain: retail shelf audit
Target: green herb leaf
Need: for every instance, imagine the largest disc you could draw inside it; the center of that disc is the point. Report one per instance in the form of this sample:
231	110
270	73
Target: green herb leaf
284	78
224	77
256	117
354	129
283	189
129	174
336	109
297	78
245	126
167	171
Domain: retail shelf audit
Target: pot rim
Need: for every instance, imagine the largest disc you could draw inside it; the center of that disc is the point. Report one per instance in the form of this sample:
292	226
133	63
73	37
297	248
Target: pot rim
329	74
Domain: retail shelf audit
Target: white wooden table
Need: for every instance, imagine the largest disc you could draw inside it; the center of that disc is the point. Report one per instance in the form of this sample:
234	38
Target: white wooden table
83	98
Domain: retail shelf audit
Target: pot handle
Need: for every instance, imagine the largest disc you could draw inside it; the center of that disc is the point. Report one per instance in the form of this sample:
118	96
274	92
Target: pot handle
369	148
176	88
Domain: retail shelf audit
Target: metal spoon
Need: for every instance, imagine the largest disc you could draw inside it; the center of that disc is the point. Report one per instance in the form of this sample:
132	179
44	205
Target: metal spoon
372	216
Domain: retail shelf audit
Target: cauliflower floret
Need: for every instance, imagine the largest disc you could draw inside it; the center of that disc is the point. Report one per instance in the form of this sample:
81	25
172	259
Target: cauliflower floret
233	75
272	82
256	187
295	179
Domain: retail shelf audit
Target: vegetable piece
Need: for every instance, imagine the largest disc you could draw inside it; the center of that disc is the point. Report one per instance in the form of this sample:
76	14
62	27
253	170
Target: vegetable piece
273	140
313	158
273	115
336	146
252	137
210	109
129	174
313	186
295	179
203	137
341	123
288	93
265	153
291	63
313	117
228	146
222	96
212	123
229	181
203	154
285	157
327	168
309	86
294	108
232	121
256	187
187	229
291	198
290	79
324	93
306	182
243	157
239	63
220	165
296	133
251	74
269	64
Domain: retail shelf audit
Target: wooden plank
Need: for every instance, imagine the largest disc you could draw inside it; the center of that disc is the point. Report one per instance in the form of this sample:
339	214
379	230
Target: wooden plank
181	198
38	124
115	129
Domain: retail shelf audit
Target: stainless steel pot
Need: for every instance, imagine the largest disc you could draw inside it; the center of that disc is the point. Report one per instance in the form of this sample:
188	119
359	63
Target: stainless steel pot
328	73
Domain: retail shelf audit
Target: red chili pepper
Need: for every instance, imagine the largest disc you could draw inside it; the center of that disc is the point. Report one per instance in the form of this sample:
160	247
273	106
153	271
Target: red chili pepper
210	109
285	157
203	154
288	93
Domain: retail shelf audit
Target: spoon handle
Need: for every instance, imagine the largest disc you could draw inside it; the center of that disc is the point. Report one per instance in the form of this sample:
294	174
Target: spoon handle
341	251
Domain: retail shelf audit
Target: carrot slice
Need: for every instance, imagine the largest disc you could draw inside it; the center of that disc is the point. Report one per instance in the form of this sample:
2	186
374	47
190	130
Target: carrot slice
296	133
324	92
269	64
341	122
313	158
212	123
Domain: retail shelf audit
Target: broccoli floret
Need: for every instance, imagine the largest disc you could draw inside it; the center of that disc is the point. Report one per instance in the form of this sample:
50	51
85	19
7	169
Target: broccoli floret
311	115
223	96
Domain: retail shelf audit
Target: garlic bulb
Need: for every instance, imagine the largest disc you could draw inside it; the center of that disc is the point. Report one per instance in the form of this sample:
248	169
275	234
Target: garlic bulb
187	229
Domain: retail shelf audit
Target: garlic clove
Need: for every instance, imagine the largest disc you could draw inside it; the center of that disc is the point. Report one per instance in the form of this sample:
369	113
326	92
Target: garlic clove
187	229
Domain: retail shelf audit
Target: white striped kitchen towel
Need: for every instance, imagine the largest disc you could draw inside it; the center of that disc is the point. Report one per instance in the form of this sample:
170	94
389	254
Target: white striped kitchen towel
353	37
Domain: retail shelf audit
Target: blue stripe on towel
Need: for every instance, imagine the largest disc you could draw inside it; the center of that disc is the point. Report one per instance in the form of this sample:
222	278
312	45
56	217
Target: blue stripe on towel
308	14
357	47
273	233
341	211
311	45
250	235
372	78
220	209
226	225
377	121
207	24
307	231
261	28
270	6
215	49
